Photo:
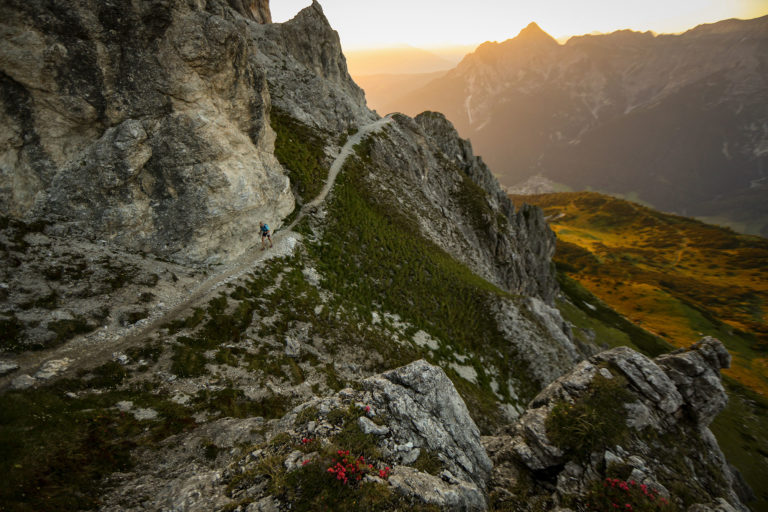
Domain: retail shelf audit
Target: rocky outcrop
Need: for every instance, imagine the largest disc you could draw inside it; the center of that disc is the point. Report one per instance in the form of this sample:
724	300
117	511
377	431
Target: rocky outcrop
307	72
528	269
427	413
659	438
410	413
525	327
459	205
145	123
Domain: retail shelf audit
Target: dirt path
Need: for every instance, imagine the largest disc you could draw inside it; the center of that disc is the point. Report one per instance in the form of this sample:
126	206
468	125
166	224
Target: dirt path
91	349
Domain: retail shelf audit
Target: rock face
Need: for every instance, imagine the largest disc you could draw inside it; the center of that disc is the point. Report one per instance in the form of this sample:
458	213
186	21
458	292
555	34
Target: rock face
307	72
598	111
673	397
459	205
156	137
428	413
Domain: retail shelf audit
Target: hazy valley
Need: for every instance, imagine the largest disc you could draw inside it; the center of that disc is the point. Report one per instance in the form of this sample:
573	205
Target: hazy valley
677	121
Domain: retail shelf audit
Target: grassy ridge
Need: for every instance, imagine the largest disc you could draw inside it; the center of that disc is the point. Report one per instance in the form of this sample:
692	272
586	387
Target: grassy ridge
372	256
676	277
671	279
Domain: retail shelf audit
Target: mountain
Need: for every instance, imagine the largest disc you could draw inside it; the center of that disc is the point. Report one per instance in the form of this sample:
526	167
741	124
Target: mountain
396	345
678	121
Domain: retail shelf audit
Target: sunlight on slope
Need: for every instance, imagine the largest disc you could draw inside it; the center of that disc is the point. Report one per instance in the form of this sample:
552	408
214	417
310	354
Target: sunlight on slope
675	277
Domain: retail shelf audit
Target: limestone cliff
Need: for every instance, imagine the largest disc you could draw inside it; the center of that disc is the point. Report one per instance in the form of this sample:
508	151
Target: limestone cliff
307	72
145	123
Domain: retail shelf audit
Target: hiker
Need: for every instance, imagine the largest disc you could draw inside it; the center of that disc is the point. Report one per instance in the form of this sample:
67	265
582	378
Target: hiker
265	234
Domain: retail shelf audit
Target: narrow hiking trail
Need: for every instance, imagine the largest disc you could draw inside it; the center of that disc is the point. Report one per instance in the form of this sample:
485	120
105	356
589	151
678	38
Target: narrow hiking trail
90	349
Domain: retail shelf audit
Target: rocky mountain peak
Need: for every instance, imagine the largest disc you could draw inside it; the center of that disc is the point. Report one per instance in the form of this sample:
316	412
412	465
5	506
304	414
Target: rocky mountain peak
533	33
531	41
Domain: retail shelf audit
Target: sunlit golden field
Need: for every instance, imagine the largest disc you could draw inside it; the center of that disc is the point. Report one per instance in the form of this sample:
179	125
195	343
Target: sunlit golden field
674	276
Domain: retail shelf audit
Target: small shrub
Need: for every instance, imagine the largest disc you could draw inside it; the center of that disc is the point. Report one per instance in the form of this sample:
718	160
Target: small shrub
108	375
428	462
233	403
596	420
210	450
306	415
11	330
150	351
187	362
189	322
332	378
68	329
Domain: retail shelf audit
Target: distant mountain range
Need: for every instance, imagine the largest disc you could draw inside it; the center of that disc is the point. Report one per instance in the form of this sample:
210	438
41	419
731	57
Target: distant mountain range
677	121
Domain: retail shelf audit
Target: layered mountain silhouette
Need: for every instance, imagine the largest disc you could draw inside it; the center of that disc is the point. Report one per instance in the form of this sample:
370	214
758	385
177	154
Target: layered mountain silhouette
678	121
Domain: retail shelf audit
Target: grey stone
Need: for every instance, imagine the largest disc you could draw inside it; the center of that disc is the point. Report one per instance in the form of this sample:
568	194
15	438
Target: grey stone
124	405
52	368
268	504
143	414
7	367
121	358
647	377
696	374
426	410
311	275
369	427
462	495
292	347
638	415
23	382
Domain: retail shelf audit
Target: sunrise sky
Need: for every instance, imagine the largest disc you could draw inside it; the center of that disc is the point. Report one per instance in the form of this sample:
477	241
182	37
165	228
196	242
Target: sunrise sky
435	23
